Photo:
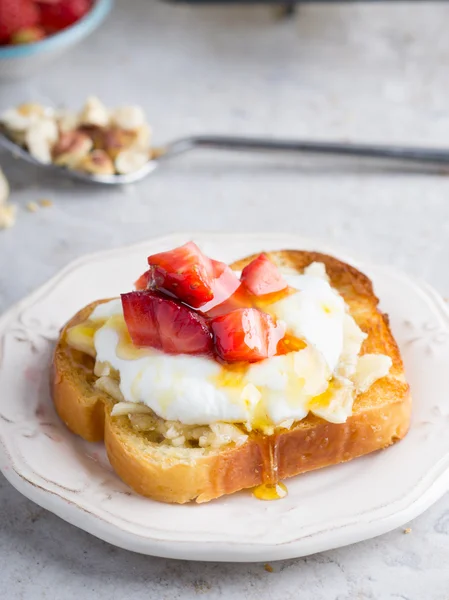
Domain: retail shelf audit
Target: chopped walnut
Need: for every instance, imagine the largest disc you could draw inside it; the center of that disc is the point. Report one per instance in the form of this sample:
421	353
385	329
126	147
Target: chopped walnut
71	147
94	113
97	163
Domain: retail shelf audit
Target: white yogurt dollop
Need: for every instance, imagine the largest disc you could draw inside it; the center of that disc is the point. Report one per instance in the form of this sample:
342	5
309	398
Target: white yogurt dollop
197	390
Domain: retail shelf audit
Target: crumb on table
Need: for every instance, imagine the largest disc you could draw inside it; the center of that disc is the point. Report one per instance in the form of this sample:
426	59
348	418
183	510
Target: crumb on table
32	207
268	568
45	202
408	530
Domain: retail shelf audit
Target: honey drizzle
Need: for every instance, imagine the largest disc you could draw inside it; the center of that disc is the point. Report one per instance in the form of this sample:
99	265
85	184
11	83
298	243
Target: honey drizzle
270	488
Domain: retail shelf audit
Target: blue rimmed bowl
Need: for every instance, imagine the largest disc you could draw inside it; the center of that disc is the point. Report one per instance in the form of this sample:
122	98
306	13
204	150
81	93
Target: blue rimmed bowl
26	59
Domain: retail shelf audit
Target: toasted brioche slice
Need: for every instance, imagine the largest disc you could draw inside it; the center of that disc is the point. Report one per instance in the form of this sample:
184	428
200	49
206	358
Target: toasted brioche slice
380	416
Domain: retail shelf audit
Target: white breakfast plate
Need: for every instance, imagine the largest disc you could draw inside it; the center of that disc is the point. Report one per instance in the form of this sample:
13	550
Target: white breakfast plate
325	509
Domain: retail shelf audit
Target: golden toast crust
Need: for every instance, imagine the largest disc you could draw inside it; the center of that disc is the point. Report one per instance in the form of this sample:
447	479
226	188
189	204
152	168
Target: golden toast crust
380	417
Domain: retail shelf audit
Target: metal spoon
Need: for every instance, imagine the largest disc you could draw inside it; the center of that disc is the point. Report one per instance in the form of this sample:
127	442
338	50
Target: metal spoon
418	157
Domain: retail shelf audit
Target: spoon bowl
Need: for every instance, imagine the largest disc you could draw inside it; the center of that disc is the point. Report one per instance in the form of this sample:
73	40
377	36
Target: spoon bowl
119	179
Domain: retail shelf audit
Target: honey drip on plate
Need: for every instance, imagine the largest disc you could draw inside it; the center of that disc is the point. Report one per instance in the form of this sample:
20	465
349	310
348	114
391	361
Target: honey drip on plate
270	488
270	491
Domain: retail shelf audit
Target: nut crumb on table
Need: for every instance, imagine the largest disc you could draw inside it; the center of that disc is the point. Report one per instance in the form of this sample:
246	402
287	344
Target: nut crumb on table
32	206
268	568
408	530
45	202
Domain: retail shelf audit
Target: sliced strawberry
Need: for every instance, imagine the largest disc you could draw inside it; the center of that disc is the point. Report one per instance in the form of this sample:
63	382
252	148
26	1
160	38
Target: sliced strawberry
246	334
143	282
159	322
262	277
185	273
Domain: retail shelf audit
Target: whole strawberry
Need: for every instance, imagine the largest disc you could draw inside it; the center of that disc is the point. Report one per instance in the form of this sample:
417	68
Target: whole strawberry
59	14
16	15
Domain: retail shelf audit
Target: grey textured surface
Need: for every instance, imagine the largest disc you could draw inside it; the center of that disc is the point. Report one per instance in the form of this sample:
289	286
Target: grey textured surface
359	72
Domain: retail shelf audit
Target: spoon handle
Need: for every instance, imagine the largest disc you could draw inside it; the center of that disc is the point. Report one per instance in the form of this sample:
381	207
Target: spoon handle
438	157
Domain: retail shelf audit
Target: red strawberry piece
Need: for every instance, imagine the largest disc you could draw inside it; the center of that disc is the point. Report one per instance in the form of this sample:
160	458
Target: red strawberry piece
192	277
184	272
63	13
159	322
246	334
262	277
143	282
16	15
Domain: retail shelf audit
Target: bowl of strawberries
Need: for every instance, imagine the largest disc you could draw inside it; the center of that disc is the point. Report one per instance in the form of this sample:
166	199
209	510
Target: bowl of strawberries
33	32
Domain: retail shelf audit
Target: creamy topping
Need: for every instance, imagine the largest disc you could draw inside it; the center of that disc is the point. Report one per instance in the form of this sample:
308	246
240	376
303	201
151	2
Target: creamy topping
322	378
315	314
370	368
106	310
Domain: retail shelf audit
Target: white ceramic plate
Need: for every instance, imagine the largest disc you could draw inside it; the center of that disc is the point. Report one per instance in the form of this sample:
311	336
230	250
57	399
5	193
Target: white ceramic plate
325	509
